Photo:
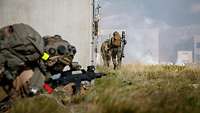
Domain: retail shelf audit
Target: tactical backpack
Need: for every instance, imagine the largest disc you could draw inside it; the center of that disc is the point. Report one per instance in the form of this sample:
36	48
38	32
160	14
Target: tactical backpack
22	41
116	40
21	46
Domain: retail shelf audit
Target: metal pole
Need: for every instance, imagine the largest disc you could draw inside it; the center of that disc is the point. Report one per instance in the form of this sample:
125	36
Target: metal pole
95	29
93	37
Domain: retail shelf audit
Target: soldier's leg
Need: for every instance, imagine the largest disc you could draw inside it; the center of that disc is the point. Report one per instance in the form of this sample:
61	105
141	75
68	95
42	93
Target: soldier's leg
104	60
108	60
103	57
114	60
107	63
119	57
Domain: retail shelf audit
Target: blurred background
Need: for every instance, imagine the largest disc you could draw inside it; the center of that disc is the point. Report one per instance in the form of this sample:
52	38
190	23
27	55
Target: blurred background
157	31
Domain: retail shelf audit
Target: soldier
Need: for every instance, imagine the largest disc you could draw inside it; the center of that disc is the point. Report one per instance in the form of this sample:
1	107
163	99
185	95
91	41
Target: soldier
29	79
113	48
20	45
105	52
116	50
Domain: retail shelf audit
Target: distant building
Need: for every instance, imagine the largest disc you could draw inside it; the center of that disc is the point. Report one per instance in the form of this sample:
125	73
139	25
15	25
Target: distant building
177	44
184	57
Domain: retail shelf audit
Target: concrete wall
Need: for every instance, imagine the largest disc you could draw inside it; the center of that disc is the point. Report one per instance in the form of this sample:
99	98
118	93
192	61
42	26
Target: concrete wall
68	18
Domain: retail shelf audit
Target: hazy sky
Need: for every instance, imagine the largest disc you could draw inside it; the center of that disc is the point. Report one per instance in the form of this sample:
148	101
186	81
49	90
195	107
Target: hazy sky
144	18
171	12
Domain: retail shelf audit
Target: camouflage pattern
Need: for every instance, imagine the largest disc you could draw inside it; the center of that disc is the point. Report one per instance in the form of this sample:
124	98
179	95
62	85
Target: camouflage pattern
116	51
116	40
11	63
34	78
20	89
106	53
109	50
116	57
23	40
20	45
61	53
20	48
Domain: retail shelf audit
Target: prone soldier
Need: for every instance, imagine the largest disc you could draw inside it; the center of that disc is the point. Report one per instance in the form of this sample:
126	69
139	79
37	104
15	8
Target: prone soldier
21	48
27	58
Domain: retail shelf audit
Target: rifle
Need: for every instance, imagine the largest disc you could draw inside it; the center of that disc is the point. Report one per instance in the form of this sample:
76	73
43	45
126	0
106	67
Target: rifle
123	43
75	77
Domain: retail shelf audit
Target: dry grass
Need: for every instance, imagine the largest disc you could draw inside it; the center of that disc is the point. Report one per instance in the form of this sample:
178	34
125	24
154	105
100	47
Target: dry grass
147	89
132	89
40	104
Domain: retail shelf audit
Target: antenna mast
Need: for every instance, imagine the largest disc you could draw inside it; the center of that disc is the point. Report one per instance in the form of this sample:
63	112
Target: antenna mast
95	30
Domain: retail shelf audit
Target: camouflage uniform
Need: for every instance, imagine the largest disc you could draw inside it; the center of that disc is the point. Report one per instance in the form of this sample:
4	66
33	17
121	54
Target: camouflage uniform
21	48
116	52
20	45
116	56
105	52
